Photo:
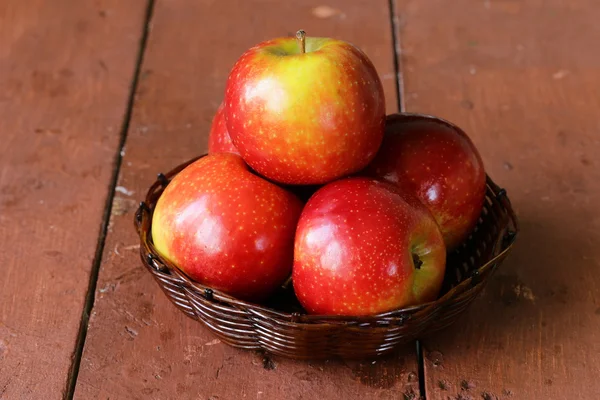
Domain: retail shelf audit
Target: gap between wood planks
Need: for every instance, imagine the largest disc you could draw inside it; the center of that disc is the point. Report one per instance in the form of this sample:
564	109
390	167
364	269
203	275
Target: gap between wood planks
397	50
69	390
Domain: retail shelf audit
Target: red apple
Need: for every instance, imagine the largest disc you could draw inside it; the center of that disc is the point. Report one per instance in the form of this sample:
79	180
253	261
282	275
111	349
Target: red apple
226	227
305	110
436	161
219	140
363	247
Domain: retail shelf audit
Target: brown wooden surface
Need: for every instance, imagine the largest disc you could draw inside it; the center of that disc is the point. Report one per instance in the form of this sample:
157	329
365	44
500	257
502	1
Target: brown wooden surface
523	78
138	344
65	71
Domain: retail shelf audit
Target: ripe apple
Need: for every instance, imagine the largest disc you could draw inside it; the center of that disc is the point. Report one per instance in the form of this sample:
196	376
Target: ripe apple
436	161
226	227
364	247
305	110
219	140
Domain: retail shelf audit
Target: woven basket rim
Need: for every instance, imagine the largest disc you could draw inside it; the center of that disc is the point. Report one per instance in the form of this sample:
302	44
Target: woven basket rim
150	256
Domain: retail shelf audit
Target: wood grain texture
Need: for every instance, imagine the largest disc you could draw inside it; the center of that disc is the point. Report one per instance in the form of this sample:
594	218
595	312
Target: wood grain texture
139	346
65	71
523	79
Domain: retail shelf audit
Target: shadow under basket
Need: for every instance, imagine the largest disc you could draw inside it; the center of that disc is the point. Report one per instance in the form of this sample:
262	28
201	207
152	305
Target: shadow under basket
281	327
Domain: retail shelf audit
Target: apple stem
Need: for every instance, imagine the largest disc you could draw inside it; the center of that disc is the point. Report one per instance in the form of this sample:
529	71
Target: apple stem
301	36
417	261
287	282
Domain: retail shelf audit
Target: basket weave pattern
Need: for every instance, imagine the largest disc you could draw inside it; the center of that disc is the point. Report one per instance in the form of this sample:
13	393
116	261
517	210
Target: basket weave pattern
287	331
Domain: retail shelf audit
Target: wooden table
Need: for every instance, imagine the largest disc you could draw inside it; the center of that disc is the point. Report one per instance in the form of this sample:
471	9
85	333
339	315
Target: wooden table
96	97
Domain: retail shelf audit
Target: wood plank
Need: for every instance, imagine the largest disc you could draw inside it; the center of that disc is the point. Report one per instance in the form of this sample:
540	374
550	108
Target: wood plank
523	80
65	71
139	345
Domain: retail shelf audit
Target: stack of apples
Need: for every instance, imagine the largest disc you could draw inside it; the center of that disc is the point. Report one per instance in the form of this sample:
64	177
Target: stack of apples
307	178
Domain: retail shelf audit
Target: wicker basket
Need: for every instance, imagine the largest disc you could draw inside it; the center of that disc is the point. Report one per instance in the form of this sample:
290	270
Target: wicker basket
287	331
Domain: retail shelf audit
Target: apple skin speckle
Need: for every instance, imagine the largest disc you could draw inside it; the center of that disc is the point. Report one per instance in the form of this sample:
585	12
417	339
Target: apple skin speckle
354	247
219	140
226	227
301	118
438	163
